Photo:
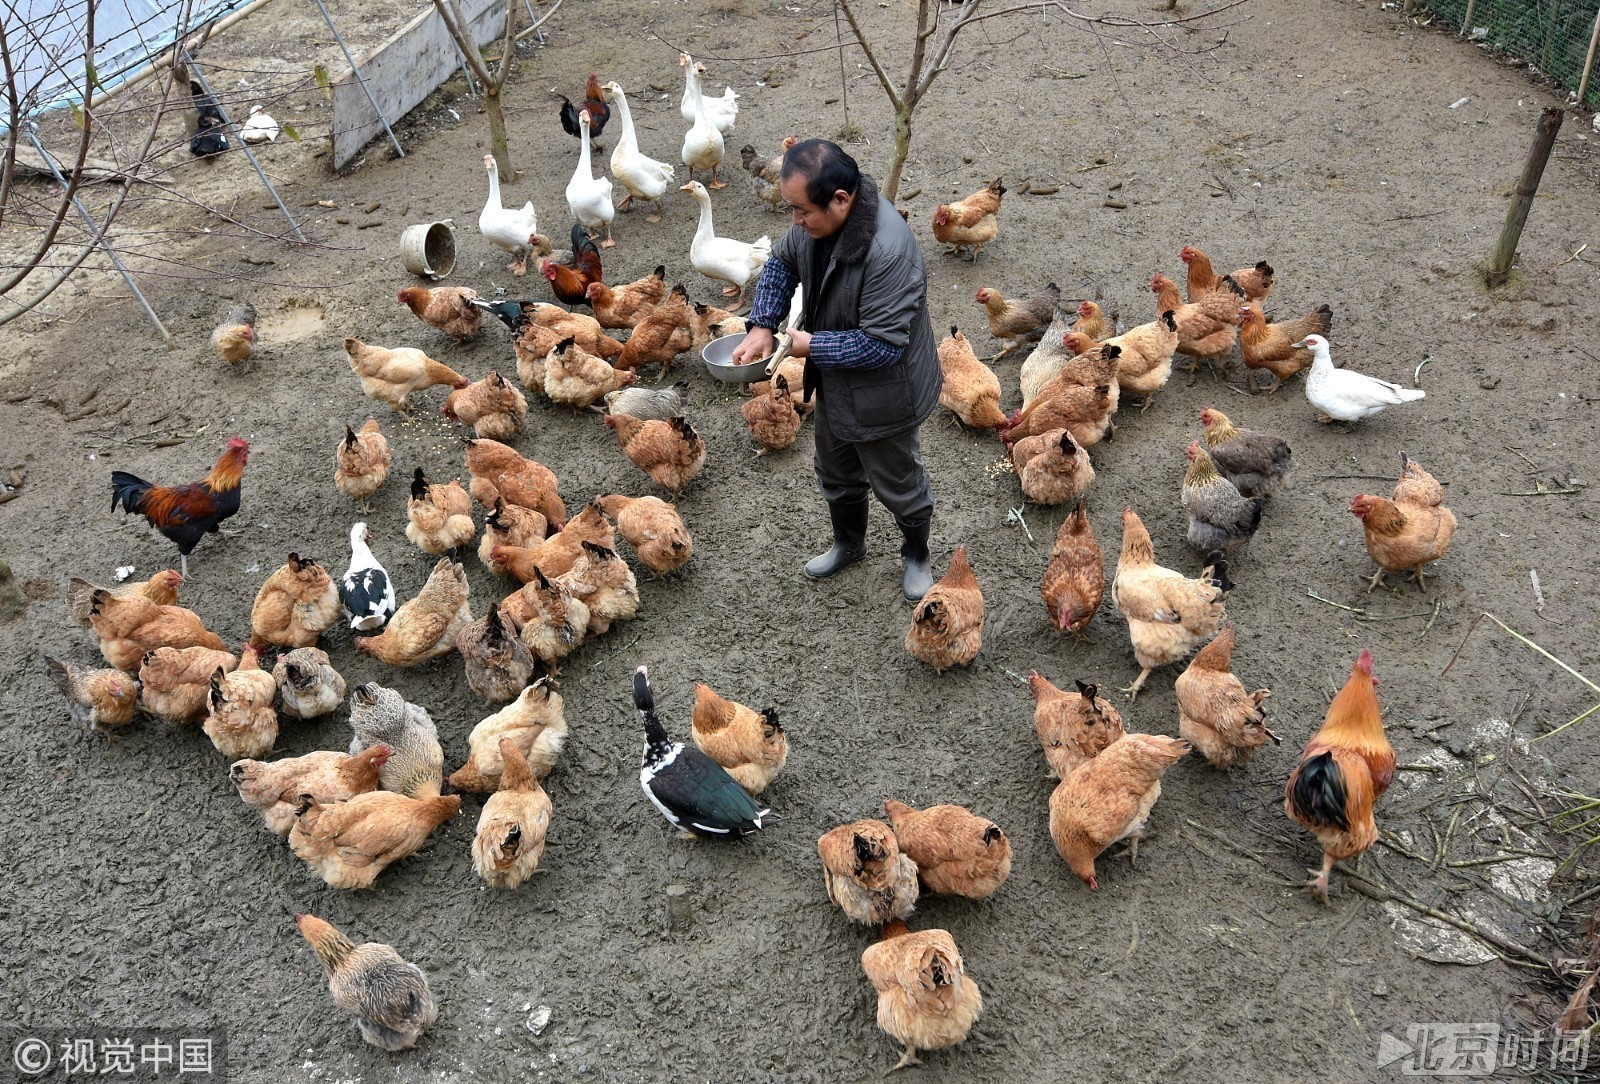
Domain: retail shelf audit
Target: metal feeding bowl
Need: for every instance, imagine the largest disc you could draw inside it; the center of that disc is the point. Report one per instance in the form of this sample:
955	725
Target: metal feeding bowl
716	354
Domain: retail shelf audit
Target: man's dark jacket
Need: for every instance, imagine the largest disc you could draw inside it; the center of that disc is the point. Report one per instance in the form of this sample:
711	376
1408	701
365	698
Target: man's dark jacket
874	281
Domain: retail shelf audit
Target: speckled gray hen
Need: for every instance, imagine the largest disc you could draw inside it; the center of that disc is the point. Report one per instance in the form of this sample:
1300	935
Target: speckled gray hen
416	760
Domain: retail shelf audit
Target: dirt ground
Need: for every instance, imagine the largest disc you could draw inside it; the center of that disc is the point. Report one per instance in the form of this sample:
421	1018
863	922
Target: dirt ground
1320	137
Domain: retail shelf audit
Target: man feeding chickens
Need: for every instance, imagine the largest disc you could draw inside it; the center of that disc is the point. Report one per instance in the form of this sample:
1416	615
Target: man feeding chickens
869	349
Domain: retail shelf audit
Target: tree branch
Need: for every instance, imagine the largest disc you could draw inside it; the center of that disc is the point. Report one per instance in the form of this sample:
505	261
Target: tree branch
964	18
925	27
8	164
111	212
861	40
508	47
458	30
23	307
75	176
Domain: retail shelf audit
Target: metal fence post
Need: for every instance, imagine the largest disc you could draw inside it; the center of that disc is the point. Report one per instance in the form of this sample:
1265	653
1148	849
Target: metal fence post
355	71
200	78
97	232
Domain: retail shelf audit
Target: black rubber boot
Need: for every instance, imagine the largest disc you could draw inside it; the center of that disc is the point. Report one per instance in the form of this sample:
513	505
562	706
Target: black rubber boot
918	573
849	539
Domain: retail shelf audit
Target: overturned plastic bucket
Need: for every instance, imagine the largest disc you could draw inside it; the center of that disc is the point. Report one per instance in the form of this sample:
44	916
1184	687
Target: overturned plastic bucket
429	248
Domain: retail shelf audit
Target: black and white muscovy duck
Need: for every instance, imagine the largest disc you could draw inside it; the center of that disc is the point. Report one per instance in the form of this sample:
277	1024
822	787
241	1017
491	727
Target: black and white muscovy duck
365	590
211	131
690	789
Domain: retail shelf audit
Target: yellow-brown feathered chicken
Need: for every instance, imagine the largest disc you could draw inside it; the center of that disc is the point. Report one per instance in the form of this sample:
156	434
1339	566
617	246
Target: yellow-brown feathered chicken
970	223
926	1000
1073	728
296	604
956	852
1168	614
947	625
243	722
751	745
424	627
439	515
865	873
361	462
1215	714
512	827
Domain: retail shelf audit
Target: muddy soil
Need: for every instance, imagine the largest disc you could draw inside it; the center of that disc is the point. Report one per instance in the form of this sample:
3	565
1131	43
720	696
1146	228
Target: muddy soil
1320	137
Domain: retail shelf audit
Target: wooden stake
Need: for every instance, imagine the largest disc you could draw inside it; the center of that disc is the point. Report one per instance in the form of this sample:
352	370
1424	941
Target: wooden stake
1505	249
1588	61
1466	20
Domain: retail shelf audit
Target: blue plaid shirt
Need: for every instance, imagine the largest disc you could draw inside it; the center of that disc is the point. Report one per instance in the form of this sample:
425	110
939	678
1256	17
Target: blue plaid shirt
853	349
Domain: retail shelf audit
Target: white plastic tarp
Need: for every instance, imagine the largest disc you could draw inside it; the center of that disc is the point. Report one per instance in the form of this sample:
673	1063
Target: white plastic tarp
47	38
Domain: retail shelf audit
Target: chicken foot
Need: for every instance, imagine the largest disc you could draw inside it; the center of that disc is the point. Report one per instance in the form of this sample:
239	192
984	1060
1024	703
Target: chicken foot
1318	885
907	1059
1133	690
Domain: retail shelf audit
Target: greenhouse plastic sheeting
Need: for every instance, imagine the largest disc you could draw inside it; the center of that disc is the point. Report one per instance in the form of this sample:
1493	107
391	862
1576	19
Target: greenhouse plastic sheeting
46	40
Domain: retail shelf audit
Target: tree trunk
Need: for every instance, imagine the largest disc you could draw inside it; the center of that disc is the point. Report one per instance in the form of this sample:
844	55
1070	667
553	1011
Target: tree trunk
497	134
902	147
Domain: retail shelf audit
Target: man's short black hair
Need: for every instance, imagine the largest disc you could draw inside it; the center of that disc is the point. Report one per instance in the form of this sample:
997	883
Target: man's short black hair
826	168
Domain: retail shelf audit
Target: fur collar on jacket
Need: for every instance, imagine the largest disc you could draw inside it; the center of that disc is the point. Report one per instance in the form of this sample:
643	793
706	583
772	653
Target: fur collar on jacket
861	226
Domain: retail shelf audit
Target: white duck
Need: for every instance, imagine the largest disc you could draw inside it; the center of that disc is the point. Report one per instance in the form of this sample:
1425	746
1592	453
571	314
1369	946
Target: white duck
644	178
365	588
507	228
1343	394
702	146
723	111
260	127
723	258
588	196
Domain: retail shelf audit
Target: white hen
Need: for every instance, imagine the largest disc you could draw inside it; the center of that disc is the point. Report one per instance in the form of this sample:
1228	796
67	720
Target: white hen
588	196
1343	394
723	258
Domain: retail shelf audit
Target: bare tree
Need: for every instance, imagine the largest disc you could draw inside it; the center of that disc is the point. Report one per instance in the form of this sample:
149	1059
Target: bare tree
17	115
63	243
936	37
492	77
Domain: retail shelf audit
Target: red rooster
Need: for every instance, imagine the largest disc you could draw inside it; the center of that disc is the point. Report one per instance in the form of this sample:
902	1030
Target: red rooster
1346	767
570	282
186	513
594	100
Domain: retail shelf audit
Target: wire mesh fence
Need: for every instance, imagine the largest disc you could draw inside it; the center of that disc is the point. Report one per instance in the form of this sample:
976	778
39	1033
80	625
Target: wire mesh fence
1552	37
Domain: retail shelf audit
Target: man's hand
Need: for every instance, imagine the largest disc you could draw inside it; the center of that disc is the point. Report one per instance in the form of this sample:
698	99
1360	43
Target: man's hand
758	344
799	344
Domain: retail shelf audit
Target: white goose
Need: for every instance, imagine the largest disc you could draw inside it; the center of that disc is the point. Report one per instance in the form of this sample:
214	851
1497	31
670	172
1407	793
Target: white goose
723	258
702	146
1343	394
723	111
507	228
588	196
644	178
